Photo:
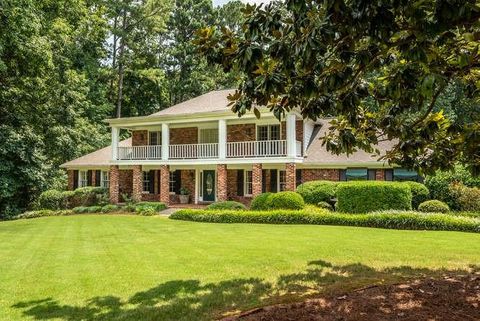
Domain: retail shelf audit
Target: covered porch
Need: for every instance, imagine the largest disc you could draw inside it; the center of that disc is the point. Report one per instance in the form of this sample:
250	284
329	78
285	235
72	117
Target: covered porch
204	184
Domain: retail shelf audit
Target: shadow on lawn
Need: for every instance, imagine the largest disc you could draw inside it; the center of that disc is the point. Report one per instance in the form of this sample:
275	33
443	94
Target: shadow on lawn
192	300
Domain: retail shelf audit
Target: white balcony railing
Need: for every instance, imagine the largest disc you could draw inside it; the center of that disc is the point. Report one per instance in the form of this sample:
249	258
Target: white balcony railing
268	148
248	149
193	151
140	152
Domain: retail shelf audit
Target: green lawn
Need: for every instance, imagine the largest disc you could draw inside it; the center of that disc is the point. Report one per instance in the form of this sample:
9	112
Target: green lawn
151	268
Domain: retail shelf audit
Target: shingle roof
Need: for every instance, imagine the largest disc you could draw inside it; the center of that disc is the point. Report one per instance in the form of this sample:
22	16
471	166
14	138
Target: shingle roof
209	102
99	157
318	154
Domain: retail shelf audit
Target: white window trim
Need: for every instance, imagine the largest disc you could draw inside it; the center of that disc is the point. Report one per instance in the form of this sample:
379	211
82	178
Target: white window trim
159	133
245	185
103	180
257	132
278	179
143	182
169	181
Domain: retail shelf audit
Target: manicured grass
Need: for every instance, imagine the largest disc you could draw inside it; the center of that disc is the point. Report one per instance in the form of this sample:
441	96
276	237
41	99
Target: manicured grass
151	268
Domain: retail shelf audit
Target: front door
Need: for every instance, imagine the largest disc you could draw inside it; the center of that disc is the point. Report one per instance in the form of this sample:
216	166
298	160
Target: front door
208	186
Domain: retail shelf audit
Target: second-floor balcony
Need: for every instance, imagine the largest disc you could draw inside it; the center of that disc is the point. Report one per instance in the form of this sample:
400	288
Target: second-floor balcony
246	149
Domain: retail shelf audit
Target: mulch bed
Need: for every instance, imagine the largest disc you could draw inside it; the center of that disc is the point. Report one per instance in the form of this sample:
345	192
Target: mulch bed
449	298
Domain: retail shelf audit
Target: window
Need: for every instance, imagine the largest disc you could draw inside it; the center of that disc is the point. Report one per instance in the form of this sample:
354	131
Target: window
282	180
269	132
208	136
402	174
172	182
105	179
248	183
155	138
82	178
357	174
146	182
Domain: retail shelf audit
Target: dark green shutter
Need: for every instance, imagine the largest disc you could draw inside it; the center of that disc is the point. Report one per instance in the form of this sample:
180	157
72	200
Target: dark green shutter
75	179
178	181
343	175
89	178
298	176
98	177
372	174
240	180
273	180
389	174
264	181
151	178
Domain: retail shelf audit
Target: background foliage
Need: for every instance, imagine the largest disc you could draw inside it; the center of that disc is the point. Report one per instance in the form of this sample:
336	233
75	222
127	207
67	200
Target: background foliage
65	65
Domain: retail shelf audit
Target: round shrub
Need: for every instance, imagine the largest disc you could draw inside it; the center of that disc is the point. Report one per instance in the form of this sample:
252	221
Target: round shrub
371	196
228	205
317	191
51	200
419	191
433	206
285	200
325	205
467	198
260	202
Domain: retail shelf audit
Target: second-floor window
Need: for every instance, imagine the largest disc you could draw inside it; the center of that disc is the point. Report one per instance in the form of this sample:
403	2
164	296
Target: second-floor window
83	178
146	182
155	138
268	132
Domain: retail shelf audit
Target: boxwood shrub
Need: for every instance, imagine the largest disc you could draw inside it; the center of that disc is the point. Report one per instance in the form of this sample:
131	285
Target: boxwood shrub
433	206
157	206
389	219
363	197
314	192
285	200
420	193
227	205
260	202
52	200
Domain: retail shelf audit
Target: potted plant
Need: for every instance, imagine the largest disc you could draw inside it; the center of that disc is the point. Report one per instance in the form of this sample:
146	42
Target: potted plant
184	195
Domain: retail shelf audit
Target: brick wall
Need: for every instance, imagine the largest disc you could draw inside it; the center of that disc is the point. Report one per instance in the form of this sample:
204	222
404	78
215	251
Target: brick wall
290	184
139	138
256	179
221	182
320	174
165	183
125	182
241	133
137	183
70	174
114	184
187	135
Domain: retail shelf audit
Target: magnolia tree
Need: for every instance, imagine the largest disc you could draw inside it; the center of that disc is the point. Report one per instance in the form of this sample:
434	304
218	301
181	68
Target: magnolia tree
382	68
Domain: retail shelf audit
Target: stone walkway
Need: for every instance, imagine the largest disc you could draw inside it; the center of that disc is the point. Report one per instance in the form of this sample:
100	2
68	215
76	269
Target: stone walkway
169	211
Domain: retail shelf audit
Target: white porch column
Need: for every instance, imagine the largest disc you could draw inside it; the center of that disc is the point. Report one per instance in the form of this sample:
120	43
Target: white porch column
165	141
291	135
115	139
222	138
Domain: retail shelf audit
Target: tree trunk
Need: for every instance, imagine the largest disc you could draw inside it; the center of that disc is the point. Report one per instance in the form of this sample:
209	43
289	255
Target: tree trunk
121	64
114	57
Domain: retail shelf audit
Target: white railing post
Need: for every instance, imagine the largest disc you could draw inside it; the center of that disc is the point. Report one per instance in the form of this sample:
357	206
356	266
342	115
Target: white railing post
291	133
165	141
115	139
222	138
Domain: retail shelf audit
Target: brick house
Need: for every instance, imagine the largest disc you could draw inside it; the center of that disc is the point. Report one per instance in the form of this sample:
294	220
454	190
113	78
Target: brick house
200	146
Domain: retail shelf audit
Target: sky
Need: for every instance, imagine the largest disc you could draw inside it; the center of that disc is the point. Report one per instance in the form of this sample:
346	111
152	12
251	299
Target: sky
221	2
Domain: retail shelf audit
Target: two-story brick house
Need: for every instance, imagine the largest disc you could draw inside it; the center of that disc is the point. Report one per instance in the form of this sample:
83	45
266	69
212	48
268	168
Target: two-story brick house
201	146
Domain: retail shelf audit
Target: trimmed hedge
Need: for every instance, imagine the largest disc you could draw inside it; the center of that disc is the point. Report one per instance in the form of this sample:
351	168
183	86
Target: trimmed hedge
314	192
434	206
81	197
52	200
370	196
227	205
260	202
388	220
467	198
420	193
157	206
